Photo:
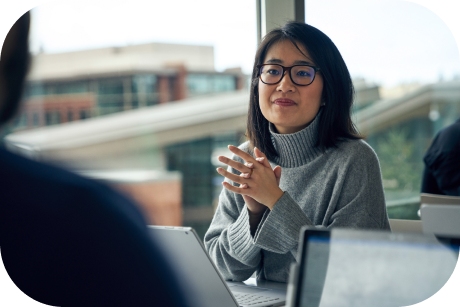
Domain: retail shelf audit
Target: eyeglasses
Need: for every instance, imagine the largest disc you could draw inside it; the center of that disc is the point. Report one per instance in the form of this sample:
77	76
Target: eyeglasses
300	74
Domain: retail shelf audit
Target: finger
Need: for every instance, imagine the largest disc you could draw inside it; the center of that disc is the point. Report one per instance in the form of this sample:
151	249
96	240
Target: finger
232	188
261	158
277	171
231	176
243	168
244	155
249	165
243	186
245	175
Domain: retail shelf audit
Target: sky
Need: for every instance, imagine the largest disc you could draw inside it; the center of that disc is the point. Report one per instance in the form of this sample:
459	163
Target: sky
387	42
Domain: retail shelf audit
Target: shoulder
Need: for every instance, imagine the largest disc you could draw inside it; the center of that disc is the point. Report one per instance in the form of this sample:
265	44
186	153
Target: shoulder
95	229
448	137
27	182
355	150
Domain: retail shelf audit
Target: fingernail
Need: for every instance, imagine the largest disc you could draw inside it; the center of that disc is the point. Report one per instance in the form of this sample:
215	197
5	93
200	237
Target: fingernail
219	170
249	164
260	159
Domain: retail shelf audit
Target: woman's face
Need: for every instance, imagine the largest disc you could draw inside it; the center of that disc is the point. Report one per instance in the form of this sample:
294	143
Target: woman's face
288	106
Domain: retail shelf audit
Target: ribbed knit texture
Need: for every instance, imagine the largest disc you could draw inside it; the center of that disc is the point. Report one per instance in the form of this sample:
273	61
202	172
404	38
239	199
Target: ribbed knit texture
298	148
340	187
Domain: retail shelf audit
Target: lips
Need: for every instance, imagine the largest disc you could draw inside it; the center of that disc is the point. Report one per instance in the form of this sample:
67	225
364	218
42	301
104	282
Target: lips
284	102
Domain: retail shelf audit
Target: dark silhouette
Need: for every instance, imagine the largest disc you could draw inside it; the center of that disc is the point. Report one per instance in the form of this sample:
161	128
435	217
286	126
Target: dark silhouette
66	240
442	163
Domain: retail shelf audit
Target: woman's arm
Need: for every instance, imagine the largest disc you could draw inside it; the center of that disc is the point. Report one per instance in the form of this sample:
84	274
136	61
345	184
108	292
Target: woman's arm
229	241
353	198
259	187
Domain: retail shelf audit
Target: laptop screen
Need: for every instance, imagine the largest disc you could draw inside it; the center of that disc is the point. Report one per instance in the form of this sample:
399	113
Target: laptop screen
346	267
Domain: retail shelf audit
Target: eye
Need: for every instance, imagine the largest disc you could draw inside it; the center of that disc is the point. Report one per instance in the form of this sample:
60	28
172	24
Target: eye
304	73
272	71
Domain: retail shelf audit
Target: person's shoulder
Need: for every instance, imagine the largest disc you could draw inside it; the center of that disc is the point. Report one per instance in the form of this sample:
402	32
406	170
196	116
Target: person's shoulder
356	148
452	131
29	181
22	168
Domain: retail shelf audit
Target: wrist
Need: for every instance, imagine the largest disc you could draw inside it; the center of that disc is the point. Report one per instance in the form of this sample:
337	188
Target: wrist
255	214
278	193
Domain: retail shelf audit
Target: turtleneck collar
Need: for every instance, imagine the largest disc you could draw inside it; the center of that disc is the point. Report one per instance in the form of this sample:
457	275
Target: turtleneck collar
297	148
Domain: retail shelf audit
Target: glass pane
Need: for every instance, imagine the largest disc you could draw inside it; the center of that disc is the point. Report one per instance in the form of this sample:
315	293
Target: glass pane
125	85
405	69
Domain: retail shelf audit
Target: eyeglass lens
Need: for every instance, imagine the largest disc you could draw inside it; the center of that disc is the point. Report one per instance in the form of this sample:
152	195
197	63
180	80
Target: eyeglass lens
301	74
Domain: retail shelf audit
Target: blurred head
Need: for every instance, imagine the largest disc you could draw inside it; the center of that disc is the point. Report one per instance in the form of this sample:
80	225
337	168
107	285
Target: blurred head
331	89
14	64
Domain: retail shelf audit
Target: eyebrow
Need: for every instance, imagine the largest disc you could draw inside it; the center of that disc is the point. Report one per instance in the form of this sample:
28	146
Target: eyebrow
299	62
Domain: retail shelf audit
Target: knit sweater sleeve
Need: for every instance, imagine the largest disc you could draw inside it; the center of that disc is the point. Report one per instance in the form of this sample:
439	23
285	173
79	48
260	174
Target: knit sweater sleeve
228	240
355	200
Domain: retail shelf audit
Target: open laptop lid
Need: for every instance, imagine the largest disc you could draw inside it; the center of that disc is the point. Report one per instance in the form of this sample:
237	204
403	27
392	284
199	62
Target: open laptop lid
199	274
345	267
440	215
202	279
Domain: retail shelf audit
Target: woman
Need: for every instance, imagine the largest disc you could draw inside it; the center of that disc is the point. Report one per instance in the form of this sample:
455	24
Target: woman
323	174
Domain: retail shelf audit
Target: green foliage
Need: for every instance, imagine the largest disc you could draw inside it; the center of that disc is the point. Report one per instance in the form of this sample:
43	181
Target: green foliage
400	170
406	212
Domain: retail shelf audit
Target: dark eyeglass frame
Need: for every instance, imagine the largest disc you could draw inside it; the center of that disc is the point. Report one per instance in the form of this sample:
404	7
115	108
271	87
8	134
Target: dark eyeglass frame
287	69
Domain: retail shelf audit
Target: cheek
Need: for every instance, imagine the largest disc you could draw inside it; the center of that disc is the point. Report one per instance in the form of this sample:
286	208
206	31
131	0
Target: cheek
264	98
264	93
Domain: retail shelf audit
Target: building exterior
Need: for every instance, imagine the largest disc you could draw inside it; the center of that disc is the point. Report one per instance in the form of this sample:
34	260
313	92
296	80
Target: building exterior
78	85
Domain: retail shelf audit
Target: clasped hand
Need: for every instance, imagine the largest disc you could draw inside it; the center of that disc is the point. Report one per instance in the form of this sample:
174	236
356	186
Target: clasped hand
258	182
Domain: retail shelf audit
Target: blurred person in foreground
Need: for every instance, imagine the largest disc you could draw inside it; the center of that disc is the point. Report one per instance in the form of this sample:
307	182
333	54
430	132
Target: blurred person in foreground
304	162
66	240
442	163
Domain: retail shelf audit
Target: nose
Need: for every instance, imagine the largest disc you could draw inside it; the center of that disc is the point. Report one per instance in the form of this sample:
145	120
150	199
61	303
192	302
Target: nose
286	85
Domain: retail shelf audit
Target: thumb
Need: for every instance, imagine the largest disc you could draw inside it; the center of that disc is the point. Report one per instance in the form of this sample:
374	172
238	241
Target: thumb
277	171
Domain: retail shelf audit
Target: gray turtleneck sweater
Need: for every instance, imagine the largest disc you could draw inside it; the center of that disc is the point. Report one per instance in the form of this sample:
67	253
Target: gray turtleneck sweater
340	187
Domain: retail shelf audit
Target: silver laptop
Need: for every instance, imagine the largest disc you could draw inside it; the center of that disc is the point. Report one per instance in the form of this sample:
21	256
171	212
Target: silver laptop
349	267
440	215
203	281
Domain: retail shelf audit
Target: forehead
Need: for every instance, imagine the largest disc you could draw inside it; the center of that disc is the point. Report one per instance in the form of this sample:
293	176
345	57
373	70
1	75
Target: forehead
285	51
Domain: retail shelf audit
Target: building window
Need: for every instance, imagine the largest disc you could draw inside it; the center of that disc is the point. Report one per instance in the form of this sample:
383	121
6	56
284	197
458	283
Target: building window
52	117
35	119
69	115
144	88
84	114
199	84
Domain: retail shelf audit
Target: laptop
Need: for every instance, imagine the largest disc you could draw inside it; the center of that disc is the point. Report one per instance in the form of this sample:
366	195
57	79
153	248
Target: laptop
440	215
349	267
202	280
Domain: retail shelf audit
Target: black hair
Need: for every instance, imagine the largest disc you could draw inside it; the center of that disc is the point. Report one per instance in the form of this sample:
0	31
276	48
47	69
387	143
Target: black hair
14	65
335	122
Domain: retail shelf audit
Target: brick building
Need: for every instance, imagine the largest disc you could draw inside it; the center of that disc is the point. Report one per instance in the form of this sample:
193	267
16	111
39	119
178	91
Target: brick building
78	85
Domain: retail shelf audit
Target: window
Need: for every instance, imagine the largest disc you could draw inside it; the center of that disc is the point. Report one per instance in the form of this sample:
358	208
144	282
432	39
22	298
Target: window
397	68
